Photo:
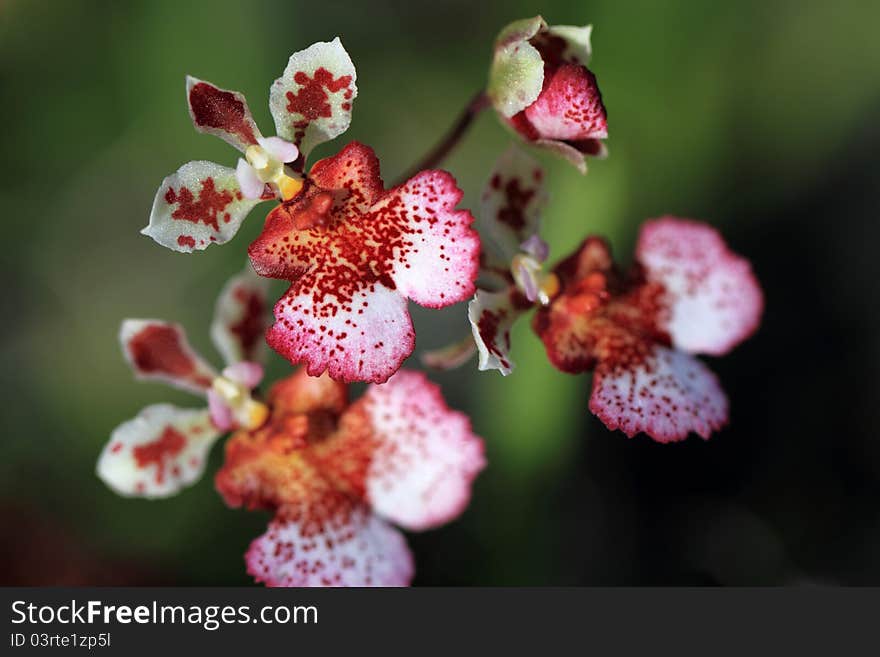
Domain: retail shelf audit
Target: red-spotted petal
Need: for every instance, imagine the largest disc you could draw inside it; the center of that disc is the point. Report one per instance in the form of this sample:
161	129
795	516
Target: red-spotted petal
159	452
198	205
512	203
311	101
159	350
664	393
364	335
570	107
241	317
714	301
492	315
431	248
426	456
350	547
222	113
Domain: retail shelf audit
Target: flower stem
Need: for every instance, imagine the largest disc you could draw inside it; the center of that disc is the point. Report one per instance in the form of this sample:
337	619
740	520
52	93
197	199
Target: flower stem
439	153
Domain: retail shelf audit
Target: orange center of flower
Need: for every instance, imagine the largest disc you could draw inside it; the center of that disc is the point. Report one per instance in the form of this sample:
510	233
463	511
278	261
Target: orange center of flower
313	212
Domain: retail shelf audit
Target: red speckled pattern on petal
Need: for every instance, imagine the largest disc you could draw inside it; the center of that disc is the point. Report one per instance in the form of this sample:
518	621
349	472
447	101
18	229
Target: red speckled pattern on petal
352	175
714	301
362	337
569	107
426	456
350	547
156	454
664	393
160	351
222	113
241	317
198	205
353	262
436	254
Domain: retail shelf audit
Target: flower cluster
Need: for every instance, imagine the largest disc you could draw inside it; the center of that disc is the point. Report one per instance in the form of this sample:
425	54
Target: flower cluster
337	475
333	472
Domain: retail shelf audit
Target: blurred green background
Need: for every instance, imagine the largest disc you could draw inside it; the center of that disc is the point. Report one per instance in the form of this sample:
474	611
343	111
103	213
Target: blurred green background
759	117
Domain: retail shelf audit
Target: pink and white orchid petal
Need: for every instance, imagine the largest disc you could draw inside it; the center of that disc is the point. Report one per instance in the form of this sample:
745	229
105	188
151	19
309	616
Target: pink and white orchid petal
349	547
714	301
564	150
434	252
570	107
159	351
364	335
665	393
512	202
159	452
451	356
251	186
311	101
222	113
426	456
199	205
281	150
517	72
492	315
245	373
221	414
241	317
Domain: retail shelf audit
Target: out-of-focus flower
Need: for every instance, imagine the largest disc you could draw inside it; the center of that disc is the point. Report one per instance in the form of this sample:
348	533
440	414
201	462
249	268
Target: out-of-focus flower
354	253
335	473
687	294
204	203
165	448
540	85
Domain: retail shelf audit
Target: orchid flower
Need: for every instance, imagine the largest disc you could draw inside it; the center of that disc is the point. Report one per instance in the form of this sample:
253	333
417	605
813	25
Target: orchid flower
687	294
639	332
335	474
541	87
165	448
204	203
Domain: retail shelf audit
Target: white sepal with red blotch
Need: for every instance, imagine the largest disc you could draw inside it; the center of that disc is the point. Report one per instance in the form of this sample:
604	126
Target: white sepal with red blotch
241	317
347	314
712	298
198	205
159	452
426	455
222	113
311	102
511	206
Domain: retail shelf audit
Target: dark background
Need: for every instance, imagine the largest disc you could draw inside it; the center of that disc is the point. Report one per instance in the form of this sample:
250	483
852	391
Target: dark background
760	118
